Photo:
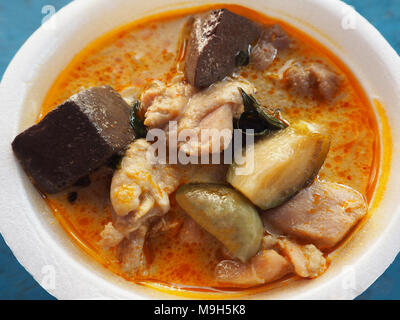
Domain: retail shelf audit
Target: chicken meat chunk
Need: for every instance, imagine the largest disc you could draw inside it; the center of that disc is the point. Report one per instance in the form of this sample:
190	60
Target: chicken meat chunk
139	195
266	266
307	260
312	81
277	258
208	113
165	103
141	188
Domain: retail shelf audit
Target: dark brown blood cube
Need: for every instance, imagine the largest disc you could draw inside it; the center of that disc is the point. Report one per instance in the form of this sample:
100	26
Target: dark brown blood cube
216	38
75	138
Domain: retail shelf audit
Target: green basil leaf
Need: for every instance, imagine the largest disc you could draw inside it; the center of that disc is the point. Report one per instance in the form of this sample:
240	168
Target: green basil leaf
248	120
136	122
258	117
115	162
242	58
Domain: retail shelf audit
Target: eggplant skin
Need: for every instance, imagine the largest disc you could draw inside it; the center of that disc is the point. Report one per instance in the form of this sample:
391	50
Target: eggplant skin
226	214
284	164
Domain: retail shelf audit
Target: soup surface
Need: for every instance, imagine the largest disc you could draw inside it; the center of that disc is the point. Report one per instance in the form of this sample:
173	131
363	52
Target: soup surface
130	59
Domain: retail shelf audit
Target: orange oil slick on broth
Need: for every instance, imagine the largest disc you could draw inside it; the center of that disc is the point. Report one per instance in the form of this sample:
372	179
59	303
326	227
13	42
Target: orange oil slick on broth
126	57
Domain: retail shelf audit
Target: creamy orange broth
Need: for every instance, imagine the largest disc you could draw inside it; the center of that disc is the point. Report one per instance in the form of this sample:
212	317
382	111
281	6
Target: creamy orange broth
149	49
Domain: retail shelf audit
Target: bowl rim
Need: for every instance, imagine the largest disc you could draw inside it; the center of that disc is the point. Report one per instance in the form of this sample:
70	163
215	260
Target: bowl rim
78	279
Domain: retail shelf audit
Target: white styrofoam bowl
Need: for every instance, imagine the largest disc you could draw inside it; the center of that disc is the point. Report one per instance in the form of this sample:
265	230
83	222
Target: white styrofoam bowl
44	249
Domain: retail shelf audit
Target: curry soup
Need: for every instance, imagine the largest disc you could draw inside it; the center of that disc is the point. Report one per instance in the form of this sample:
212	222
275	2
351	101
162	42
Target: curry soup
130	59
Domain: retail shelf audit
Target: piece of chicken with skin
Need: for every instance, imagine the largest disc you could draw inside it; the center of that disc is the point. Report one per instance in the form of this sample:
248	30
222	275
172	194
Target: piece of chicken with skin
164	103
129	245
266	266
131	252
209	112
129	210
139	196
276	258
139	191
307	260
141	186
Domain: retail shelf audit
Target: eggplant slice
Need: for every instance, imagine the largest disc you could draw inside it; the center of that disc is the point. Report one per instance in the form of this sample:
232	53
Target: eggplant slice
283	164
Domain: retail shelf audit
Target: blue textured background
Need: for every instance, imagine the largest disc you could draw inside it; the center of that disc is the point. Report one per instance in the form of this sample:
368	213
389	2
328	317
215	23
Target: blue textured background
20	18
